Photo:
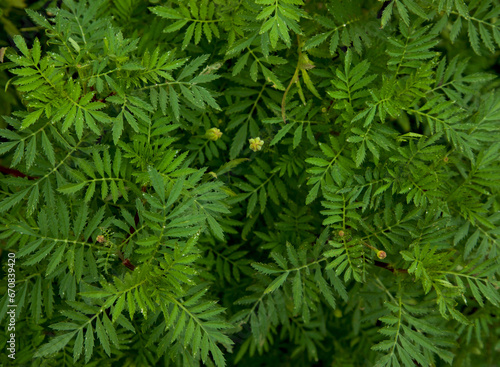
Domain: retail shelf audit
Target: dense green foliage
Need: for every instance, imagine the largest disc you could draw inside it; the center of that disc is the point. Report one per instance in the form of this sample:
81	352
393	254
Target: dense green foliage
253	183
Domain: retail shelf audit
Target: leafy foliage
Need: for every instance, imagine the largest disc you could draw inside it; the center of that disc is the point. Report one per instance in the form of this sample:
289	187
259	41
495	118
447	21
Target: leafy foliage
253	183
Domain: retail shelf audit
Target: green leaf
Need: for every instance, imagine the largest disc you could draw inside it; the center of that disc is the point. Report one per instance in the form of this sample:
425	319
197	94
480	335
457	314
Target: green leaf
283	131
166	12
386	14
251	203
238	141
215	227
117	128
240	64
471	243
21	45
320	162
31	118
334	41
462	8
48	149
12	200
265	268
157	182
403	12
188	35
110	330
473	37
55	259
117	310
360	155
297	136
316	40
297	291
71	188
276	283
313	193
78	346
54	345
102	336
262	199
174	102
89	343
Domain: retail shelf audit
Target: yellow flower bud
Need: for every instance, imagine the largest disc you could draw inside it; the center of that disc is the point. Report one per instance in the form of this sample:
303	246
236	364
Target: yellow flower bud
381	254
256	144
213	134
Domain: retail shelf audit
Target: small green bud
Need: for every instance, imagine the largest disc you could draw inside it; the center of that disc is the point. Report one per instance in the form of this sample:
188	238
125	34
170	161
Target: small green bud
213	134
256	144
381	254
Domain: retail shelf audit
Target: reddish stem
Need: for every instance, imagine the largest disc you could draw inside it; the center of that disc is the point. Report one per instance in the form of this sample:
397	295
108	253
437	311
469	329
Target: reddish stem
15	173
